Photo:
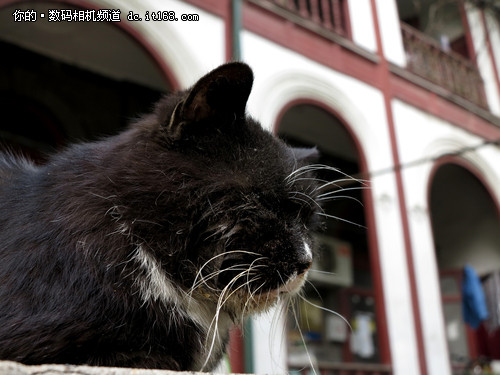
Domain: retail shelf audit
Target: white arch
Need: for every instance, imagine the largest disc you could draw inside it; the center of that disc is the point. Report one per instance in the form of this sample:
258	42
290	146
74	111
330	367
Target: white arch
280	89
476	158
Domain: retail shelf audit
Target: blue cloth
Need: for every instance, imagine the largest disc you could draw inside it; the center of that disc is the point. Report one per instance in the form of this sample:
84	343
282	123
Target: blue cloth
473	301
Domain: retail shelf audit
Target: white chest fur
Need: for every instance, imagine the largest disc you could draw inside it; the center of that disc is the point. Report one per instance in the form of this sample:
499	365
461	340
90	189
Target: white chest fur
155	286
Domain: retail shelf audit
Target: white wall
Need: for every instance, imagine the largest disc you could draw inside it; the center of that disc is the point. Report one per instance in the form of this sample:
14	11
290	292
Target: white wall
483	57
493	27
390	30
362	27
269	347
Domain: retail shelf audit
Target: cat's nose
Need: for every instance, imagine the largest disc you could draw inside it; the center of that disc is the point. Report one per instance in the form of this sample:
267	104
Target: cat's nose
305	260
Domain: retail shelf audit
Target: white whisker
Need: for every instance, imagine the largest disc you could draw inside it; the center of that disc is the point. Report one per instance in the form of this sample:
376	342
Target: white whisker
327	310
215	321
311	168
315	179
341	190
320	271
310	200
338	184
204	279
311	362
251	296
198	274
340	197
302	200
340	219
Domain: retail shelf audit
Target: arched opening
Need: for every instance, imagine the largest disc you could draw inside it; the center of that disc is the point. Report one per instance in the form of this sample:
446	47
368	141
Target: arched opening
342	278
64	81
466	229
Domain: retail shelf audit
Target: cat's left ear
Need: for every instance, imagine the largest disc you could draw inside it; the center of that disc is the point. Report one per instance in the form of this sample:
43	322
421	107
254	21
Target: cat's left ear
222	94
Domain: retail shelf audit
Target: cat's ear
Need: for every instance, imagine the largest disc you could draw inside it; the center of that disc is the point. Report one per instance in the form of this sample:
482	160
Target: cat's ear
221	95
306	154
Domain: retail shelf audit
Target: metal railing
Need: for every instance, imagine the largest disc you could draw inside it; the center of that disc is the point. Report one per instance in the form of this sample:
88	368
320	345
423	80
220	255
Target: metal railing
327	14
427	59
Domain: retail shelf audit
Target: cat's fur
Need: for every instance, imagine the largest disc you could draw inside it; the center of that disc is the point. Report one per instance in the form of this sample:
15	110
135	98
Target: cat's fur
143	249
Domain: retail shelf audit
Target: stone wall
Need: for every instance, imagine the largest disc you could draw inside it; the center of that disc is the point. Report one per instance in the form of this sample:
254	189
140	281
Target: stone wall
13	368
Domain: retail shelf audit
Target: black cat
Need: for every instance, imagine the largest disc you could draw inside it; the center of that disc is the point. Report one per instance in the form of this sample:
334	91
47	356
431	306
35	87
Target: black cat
142	249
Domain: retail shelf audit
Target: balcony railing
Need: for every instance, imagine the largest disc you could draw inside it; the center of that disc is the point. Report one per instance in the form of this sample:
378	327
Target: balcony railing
328	15
427	59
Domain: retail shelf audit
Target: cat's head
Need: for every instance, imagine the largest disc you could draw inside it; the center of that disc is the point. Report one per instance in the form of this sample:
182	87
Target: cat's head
241	203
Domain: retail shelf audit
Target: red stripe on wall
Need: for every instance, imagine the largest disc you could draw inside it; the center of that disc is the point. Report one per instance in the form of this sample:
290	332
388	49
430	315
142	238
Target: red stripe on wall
386	90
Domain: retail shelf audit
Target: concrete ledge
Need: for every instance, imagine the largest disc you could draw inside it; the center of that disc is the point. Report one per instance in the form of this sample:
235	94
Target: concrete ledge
14	368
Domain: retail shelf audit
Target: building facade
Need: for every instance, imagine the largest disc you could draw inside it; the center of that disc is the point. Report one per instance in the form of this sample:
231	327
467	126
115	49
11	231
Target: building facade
404	96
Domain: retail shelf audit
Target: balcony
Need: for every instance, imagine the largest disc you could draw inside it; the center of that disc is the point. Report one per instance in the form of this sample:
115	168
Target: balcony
427	59
317	15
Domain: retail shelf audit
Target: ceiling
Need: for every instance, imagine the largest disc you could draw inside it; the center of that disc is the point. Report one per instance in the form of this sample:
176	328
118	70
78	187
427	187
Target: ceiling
100	47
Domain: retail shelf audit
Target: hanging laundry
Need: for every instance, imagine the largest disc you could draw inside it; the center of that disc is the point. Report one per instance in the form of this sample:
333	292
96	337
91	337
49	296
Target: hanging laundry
473	301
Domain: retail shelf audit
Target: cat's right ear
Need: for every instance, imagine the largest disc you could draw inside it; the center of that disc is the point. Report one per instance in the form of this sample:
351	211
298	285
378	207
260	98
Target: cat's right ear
221	95
306	154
